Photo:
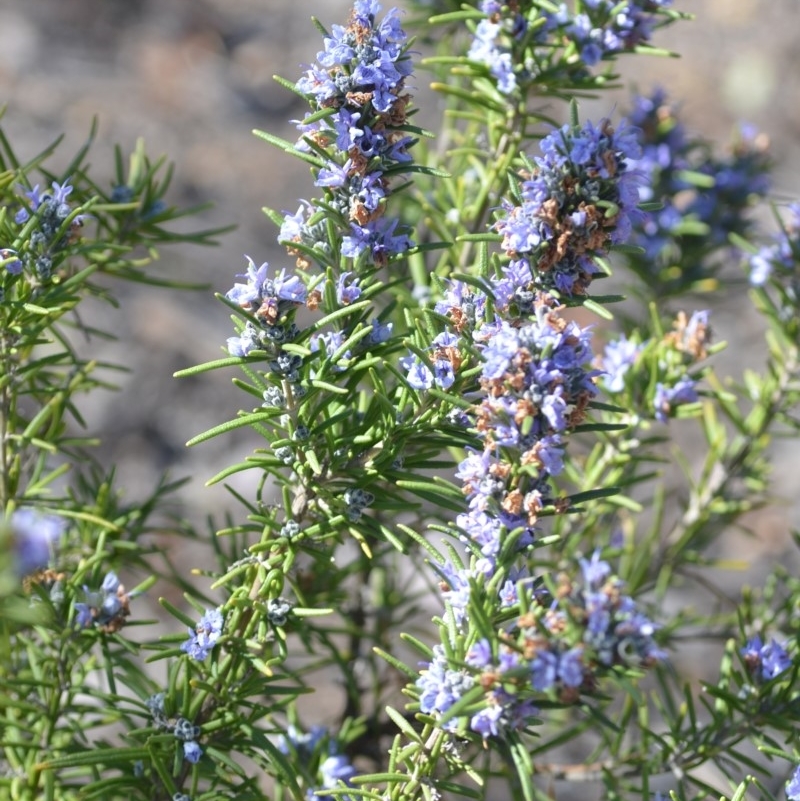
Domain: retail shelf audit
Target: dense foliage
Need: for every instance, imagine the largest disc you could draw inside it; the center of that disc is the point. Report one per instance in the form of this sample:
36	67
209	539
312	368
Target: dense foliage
449	413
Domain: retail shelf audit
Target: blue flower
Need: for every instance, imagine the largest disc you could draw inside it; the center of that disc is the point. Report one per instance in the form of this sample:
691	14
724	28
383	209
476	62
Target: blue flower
619	356
570	668
778	259
347	291
249	340
259	290
455	589
52	210
33	537
107	608
302	743
83	615
581	198
761	265
380	332
419	375
192	752
35	199
205	635
774	660
793	786
329	342
766	660
336	768
480	655
377	239
667	398
487	721
443	374
14	266
440	687
595	571
544	670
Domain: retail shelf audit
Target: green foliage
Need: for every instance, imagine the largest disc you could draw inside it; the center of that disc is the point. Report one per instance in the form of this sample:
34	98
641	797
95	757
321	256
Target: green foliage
314	600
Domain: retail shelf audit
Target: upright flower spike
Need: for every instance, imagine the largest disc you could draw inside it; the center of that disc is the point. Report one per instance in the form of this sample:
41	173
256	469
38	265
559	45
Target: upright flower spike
536	384
360	75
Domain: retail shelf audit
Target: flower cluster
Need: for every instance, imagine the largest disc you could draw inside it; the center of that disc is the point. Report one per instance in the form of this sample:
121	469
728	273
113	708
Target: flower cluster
559	647
536	384
106	608
360	77
601	30
536	380
55	225
440	685
269	301
580	199
445	360
184	730
780	259
204	636
464	305
703	198
765	661
606	27
358	141
666	358
33	536
739	180
489	45
320	753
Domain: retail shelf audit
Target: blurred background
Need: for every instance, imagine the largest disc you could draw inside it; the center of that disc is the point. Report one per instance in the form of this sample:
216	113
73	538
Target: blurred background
194	77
